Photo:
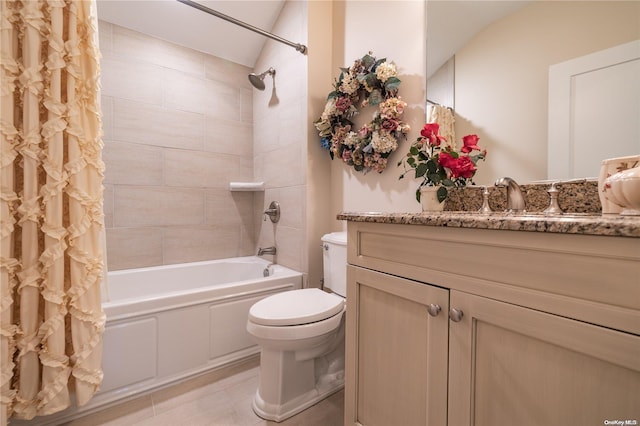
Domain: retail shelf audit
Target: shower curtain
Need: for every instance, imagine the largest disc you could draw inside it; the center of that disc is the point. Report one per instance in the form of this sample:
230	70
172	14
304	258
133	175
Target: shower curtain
51	219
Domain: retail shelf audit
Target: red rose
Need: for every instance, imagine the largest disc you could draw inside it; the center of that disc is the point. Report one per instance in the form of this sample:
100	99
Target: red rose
460	167
446	160
464	168
430	131
470	143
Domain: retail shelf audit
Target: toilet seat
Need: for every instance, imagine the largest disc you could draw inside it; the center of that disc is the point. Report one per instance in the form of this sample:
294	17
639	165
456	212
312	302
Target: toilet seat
296	307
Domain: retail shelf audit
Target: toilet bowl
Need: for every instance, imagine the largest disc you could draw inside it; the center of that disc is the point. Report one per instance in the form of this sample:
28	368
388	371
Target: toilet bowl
301	336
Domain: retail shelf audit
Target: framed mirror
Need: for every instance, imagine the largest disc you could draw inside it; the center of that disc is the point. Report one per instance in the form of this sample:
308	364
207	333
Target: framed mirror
490	61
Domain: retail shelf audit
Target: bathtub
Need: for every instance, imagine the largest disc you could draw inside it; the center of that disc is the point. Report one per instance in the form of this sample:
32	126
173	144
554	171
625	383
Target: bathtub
168	323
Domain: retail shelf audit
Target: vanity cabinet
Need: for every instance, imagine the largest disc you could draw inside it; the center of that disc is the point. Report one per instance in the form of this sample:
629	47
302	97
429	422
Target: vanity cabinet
533	329
398	363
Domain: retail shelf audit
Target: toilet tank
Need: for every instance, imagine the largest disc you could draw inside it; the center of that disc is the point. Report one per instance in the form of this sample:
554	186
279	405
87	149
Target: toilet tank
334	262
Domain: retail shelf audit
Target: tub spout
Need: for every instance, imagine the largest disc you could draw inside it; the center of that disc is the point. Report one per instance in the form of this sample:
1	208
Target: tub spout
267	250
266	271
515	199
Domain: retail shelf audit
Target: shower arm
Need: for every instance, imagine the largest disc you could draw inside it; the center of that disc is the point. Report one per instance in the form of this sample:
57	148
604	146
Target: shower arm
299	47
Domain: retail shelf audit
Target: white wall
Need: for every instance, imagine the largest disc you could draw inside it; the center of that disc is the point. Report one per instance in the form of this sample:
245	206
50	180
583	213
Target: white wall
392	30
501	77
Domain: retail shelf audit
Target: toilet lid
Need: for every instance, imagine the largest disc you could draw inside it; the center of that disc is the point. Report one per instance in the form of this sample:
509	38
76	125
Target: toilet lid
296	307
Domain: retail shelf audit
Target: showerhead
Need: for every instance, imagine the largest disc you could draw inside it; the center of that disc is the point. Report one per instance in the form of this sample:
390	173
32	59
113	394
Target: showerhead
257	80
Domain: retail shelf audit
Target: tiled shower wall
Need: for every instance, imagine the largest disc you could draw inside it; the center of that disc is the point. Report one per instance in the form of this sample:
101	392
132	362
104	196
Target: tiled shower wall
178	127
280	153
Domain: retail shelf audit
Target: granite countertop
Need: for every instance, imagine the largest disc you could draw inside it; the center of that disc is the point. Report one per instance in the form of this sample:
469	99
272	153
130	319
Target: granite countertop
577	223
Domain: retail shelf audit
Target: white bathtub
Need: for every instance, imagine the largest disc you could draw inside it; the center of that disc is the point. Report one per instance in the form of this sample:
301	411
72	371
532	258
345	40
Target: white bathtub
168	323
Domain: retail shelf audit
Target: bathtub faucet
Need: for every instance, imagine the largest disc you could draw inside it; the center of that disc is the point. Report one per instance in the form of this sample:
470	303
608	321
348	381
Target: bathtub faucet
266	271
267	250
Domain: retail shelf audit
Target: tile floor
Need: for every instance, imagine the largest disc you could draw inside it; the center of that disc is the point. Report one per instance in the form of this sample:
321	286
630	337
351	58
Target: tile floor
221	398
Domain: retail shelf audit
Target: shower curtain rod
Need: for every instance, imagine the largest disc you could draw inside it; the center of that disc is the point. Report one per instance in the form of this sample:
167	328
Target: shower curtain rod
299	47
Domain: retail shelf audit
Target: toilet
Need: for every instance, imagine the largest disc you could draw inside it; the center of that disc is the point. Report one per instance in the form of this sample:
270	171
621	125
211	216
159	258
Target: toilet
301	335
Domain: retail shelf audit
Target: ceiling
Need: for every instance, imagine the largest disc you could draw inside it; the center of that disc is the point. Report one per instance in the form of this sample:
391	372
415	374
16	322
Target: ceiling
182	24
451	24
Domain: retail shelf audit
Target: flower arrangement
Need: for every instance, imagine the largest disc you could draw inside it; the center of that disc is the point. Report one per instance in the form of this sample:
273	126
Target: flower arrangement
439	165
376	83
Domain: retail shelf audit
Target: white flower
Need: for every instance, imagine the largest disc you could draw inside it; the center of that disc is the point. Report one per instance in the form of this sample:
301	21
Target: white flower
350	84
386	70
383	142
351	139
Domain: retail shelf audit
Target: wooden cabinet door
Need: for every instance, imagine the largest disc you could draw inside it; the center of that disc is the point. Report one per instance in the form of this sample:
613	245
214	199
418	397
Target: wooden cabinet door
396	352
511	365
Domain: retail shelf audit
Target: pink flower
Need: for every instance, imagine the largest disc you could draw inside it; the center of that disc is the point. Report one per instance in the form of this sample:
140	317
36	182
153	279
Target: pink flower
389	125
470	143
343	103
364	131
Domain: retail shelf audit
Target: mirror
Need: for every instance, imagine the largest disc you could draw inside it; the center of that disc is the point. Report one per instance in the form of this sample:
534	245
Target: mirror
489	61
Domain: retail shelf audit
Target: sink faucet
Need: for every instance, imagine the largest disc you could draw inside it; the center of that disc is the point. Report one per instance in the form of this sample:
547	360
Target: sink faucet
515	199
266	250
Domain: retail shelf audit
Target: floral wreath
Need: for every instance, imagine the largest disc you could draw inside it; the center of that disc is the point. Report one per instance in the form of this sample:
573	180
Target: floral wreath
366	149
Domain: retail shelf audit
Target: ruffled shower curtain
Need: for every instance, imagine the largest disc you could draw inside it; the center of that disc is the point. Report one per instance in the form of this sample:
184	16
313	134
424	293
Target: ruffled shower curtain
51	219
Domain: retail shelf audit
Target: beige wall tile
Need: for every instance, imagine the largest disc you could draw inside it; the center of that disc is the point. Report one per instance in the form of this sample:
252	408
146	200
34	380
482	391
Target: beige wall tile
154	125
246	105
105	31
107	206
289	242
281	167
130	79
157	206
106	107
202	96
228	137
133	248
292	206
226	208
203	169
227	72
267	132
132	164
150	49
189	244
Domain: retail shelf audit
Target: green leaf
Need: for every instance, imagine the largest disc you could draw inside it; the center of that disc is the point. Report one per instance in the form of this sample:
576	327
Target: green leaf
418	194
371	80
411	160
332	95
379	61
392	83
442	193
368	61
432	166
434	177
447	182
421	170
413	150
375	97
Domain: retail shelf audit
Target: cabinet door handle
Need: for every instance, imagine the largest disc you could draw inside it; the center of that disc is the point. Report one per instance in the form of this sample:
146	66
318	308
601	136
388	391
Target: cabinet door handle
434	309
455	314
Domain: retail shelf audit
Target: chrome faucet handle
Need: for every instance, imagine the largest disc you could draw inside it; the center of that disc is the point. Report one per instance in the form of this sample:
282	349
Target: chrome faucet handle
273	212
554	207
485	201
515	198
